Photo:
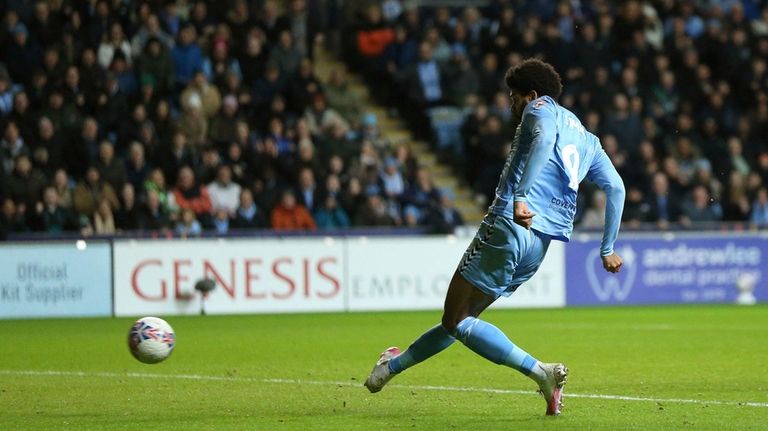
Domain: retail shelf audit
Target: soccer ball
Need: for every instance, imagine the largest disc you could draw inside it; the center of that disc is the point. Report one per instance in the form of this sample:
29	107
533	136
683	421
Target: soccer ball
151	340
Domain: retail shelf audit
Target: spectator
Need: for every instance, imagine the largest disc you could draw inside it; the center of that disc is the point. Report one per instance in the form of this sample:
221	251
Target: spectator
194	124
445	218
320	117
345	101
309	194
103	219
329	215
11	146
150	30
699	208
392	182
188	226
759	215
374	35
7	92
268	87
624	124
63	186
156	183
110	169
636	208
136	167
224	125
289	215
26	184
115	42
594	216
220	63
224	193
374	212
186	55
461	77
152	216
412	217
176	155
208	167
22	116
52	217
23	56
735	201
112	105
304	86
155	67
664	202
90	191
253	61
47	150
191	196
285	55
221	222
424	80
127	216
45	27
247	214
201	94
12	219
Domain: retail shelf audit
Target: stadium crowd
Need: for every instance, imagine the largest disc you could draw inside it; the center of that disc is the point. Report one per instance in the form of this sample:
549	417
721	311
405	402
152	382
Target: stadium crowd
185	116
677	91
179	117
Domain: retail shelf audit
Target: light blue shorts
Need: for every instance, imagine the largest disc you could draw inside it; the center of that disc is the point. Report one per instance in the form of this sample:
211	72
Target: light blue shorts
502	256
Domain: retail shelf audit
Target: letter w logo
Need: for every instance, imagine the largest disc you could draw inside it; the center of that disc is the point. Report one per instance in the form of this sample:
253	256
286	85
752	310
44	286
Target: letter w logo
611	286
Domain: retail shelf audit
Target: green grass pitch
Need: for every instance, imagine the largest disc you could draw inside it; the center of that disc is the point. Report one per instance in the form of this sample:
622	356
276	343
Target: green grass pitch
241	372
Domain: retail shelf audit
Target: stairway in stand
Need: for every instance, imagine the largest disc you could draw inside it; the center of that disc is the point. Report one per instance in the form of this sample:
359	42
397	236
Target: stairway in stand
396	132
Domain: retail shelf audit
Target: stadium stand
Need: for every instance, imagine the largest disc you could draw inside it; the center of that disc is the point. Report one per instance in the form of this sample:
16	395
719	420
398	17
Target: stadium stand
188	117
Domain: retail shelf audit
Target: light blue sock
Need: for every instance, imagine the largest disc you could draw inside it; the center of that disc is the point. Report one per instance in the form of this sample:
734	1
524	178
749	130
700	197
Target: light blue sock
489	342
429	344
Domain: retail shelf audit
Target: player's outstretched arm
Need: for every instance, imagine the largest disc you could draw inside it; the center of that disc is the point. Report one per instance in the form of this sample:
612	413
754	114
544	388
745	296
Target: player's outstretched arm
605	176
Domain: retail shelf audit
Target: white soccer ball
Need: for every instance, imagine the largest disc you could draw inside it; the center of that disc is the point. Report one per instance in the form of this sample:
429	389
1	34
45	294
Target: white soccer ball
151	340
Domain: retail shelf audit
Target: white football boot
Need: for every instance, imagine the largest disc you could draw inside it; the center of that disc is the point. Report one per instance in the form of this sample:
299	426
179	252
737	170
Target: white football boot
552	386
380	374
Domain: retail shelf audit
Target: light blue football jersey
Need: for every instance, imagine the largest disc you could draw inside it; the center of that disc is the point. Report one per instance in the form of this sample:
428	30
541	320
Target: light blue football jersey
551	154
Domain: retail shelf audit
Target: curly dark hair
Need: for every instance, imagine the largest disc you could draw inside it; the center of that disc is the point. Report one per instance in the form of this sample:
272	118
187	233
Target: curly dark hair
534	74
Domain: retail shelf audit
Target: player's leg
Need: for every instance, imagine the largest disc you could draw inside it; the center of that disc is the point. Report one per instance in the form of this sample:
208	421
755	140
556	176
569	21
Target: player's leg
460	318
525	252
437	338
461	296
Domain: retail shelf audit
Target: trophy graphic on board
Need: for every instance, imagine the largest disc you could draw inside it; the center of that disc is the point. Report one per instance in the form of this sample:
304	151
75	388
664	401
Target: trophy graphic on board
746	283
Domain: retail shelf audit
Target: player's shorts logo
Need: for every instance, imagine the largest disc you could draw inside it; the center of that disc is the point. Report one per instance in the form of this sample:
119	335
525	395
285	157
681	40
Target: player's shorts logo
607	286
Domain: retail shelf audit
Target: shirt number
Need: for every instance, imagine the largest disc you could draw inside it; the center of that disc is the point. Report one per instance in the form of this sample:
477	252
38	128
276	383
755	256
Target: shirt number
570	158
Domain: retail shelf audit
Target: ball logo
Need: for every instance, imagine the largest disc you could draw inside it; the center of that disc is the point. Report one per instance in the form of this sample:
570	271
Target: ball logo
612	286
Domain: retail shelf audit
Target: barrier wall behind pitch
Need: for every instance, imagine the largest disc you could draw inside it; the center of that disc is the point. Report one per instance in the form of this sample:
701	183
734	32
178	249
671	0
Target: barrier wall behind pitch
301	275
55	280
361	274
670	268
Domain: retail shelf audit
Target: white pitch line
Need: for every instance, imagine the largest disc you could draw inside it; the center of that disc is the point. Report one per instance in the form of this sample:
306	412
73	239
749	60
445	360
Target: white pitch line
356	384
